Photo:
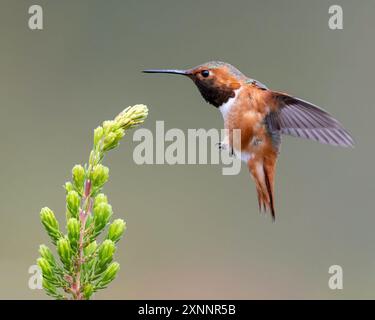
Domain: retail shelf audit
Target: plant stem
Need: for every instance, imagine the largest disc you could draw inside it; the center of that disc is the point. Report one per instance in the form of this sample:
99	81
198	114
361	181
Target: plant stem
85	211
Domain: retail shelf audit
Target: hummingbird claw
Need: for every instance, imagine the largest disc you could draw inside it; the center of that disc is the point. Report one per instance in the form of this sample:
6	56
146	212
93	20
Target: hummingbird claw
220	146
224	146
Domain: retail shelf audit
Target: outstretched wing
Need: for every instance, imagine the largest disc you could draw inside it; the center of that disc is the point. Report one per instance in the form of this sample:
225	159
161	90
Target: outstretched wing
302	119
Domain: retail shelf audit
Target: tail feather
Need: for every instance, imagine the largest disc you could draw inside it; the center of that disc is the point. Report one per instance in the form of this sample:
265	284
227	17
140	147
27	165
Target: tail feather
263	173
269	186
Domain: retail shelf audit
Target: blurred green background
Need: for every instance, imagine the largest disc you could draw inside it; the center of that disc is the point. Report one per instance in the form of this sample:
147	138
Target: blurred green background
192	232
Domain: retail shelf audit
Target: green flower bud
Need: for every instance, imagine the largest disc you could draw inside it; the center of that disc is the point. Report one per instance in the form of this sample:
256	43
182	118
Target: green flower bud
78	174
65	252
50	224
73	227
73	203
48	217
100	198
68	186
110	141
46	254
116	230
105	253
88	291
98	134
102	214
119	134
108	125
99	175
94	157
45	267
90	248
109	274
132	116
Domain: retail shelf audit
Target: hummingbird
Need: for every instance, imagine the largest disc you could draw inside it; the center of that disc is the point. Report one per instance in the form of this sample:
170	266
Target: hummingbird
262	116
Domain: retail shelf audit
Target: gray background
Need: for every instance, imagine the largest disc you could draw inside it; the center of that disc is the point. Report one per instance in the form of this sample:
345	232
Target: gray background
192	232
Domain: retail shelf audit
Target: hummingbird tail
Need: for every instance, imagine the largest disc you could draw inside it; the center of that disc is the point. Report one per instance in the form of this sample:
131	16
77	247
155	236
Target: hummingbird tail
263	173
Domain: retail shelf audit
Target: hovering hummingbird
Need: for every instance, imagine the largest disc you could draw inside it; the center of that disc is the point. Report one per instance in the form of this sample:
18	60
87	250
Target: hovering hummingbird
263	116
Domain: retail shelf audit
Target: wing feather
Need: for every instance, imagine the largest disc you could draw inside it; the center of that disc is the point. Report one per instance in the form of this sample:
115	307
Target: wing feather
300	118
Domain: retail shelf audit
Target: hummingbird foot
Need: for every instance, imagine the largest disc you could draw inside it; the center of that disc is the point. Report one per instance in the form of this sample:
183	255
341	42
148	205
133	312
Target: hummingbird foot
221	145
225	146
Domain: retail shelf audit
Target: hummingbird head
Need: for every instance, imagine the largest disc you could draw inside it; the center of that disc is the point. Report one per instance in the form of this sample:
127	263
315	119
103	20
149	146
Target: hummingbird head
216	80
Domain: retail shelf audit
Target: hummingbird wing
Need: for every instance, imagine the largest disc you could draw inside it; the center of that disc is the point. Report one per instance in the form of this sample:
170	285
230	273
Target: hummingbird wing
299	118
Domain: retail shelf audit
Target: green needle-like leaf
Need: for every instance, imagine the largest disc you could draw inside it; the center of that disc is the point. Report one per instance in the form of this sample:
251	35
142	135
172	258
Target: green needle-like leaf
86	265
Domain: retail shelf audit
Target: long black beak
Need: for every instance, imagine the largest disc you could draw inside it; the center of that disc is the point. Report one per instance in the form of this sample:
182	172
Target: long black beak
172	71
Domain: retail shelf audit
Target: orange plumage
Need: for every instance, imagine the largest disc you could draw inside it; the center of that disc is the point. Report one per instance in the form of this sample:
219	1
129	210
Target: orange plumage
247	113
262	116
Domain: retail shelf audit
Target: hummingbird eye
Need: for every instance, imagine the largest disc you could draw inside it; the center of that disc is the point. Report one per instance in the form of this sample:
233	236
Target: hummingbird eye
205	73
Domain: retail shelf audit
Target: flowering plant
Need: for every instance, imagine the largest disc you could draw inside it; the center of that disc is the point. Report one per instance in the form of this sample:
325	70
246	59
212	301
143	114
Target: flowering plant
85	265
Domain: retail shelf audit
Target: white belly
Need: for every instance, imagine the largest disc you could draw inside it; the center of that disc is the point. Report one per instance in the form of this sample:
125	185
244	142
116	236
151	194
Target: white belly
225	109
244	156
227	106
